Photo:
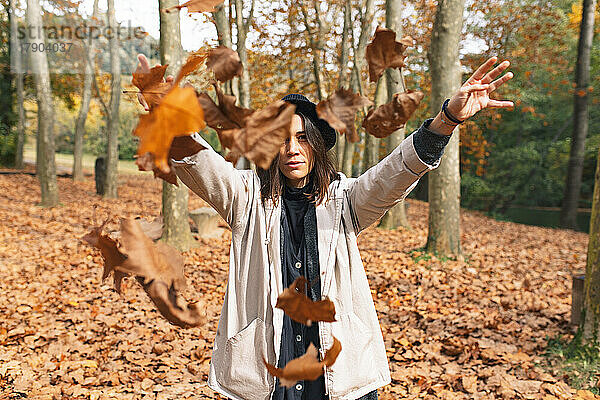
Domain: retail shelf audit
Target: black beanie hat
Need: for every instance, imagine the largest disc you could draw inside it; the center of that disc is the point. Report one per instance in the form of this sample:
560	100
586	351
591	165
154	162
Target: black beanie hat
309	110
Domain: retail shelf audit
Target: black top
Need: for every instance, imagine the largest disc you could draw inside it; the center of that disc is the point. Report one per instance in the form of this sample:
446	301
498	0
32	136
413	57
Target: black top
300	257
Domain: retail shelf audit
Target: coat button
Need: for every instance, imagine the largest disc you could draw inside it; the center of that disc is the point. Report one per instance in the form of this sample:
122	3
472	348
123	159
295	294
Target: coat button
298	264
298	387
298	338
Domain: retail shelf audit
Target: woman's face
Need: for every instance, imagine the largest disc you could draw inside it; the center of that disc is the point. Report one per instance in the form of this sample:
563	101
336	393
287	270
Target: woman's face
296	155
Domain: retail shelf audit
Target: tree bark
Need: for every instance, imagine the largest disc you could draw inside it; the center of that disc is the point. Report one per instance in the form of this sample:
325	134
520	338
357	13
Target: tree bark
591	315
176	229
17	66
224	37
86	97
46	167
568	214
396	216
366	25
112	125
372	143
444	182
340	143
243	25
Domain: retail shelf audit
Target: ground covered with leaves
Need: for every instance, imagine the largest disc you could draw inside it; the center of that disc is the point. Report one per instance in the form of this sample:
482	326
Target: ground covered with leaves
475	327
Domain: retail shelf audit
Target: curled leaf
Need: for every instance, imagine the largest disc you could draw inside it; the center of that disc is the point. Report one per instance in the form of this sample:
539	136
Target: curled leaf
110	253
191	64
151	84
294	302
305	367
387	118
224	62
178	114
196	6
385	52
339	110
261	138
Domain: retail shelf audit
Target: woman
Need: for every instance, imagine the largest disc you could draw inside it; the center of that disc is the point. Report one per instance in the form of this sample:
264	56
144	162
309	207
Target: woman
301	217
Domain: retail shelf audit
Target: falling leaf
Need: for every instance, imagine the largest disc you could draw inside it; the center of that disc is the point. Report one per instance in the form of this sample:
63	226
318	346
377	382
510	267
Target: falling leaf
110	253
151	84
297	306
196	6
386	119
261	138
385	52
224	62
305	367
149	260
178	114
191	64
172	307
226	115
339	110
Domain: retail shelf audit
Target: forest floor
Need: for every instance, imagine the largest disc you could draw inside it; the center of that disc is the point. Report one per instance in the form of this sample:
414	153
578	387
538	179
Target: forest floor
475	327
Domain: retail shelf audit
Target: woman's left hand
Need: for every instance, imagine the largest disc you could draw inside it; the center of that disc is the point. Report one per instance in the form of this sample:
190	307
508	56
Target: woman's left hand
474	94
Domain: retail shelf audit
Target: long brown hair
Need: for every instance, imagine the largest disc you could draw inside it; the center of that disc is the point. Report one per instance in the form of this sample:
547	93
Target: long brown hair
322	173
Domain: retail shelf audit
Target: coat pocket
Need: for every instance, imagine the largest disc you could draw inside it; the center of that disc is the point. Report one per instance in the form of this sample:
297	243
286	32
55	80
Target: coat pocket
243	372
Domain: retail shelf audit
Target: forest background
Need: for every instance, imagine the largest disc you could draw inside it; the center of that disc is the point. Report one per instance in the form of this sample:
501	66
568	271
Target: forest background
507	158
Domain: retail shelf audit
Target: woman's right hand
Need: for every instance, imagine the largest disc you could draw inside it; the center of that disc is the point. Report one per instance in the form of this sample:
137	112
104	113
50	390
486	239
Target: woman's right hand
143	67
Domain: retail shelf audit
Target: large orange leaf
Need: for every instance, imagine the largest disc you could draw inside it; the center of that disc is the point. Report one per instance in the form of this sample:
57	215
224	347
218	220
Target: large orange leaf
178	114
385	52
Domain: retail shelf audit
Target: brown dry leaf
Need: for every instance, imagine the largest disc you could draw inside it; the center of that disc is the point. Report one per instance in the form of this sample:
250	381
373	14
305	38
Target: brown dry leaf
226	115
385	52
386	119
148	260
305	367
151	84
191	64
297	306
224	62
172	307
469	383
178	114
262	137
196	6
110	253
339	110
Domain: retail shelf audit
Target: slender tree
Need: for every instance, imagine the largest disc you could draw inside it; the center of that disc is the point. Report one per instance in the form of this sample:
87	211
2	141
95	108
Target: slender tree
221	20
112	125
371	155
89	50
344	80
444	182
396	216
316	36
176	229
568	214
45	163
591	315
18	76
242	26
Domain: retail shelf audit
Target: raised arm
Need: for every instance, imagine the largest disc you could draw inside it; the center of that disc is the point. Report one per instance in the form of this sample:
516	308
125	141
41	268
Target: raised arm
390	180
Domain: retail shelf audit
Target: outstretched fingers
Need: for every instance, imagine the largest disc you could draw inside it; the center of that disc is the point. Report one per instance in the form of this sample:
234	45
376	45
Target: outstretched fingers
500	103
482	70
499	82
493	74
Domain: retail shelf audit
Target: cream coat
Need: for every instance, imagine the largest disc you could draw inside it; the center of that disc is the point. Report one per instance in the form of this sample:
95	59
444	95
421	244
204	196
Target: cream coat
250	325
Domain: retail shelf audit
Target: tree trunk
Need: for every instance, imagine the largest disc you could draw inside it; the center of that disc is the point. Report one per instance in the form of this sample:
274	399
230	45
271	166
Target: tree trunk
444	182
396	216
176	230
224	37
366	24
242	26
340	143
112	126
86	97
591	315
372	143
568	214
17	66
46	167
